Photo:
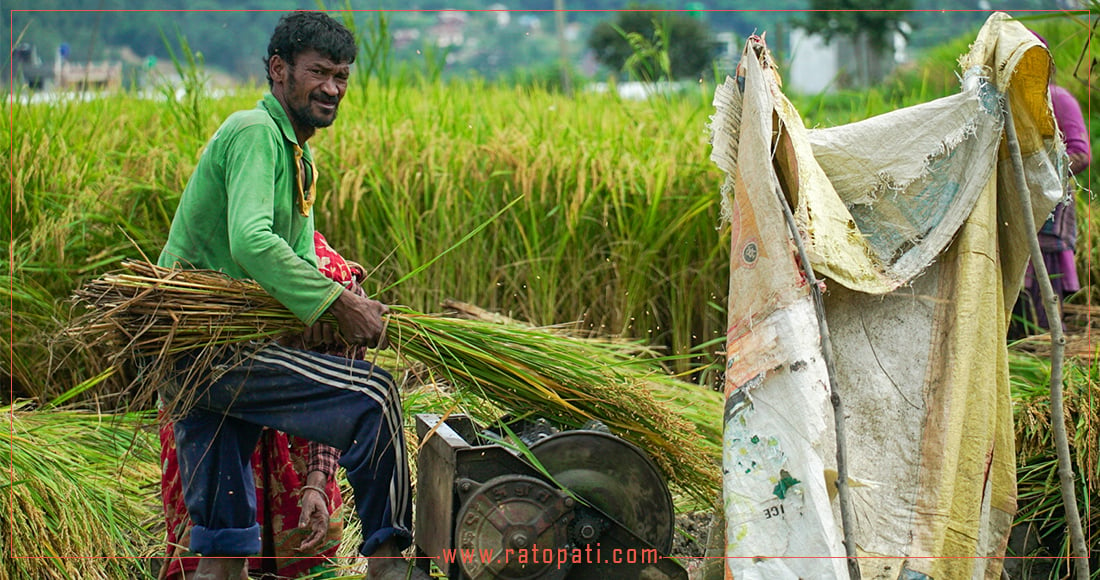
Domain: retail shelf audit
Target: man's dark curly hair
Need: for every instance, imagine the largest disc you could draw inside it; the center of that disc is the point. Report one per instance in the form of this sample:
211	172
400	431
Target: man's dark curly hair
302	30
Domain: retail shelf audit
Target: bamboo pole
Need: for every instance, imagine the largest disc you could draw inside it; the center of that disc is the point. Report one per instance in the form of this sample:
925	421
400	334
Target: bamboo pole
1078	549
847	518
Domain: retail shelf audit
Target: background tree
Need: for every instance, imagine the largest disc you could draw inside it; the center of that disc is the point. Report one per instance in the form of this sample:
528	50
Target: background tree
853	18
651	43
870	28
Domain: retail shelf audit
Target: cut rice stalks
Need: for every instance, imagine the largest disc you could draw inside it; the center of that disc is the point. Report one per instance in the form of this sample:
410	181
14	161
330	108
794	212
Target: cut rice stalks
78	495
148	313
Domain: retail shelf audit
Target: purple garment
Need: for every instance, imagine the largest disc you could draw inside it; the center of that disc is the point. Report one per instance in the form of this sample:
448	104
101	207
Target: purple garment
1063	280
1067	112
1058	236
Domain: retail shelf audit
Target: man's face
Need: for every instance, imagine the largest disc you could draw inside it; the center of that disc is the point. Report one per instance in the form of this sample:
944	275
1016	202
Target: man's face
315	85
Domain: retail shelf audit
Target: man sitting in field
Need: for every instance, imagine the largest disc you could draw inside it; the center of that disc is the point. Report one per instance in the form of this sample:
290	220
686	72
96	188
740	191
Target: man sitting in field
247	212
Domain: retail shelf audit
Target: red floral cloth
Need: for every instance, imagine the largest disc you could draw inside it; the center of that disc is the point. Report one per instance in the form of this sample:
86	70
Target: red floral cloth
280	464
334	265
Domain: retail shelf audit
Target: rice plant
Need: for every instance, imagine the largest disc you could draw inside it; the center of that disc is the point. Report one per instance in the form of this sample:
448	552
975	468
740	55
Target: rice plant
1039	500
81	499
89	181
616	228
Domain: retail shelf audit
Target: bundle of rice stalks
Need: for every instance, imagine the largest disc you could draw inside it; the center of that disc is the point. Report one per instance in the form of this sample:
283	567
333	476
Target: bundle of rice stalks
151	312
1038	486
528	371
78	495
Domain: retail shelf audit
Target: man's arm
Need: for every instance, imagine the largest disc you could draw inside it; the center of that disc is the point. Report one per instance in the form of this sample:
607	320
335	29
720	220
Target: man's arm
253	201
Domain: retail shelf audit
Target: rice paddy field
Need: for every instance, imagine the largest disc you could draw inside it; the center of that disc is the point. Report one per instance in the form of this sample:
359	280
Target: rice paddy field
588	212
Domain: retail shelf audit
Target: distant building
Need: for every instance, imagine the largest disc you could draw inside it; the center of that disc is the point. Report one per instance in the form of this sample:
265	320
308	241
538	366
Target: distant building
403	37
727	55
449	29
815	66
92	75
530	22
501	14
28	67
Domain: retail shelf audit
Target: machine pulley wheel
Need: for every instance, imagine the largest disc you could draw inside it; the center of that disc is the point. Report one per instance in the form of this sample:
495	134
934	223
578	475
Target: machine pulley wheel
508	525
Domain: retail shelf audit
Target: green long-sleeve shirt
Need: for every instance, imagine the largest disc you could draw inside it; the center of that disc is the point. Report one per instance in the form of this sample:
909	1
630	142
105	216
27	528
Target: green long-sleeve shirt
239	213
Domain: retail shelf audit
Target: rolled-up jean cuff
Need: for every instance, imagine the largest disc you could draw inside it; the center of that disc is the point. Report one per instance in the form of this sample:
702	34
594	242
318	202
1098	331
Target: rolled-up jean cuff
226	541
402	537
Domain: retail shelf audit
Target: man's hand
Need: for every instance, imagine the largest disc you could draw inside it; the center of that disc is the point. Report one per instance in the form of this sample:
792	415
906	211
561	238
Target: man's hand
320	335
360	319
1078	162
315	514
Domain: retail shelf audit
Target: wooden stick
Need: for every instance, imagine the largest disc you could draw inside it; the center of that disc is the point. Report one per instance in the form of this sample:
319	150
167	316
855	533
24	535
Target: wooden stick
847	518
1078	548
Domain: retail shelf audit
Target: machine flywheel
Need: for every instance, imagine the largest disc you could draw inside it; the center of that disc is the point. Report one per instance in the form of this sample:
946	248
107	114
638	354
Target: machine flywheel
613	476
503	524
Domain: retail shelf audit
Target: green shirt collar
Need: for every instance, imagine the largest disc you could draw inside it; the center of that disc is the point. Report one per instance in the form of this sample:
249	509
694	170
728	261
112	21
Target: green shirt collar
278	114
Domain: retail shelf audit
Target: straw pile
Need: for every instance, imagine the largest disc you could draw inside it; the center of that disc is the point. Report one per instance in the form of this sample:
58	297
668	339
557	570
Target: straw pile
150	313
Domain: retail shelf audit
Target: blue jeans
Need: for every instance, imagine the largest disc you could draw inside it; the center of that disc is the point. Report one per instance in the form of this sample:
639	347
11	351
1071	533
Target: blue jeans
351	405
